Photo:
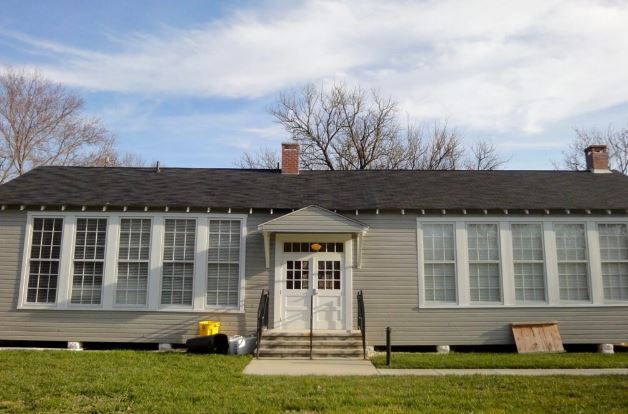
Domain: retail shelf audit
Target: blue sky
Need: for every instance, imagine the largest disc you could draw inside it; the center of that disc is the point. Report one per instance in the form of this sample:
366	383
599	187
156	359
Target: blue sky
189	82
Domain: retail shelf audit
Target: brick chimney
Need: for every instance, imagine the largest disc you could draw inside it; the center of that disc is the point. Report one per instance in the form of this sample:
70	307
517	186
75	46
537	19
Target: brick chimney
597	158
289	158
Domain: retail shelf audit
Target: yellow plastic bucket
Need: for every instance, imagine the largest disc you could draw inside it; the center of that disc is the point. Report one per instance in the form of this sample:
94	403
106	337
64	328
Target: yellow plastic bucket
206	328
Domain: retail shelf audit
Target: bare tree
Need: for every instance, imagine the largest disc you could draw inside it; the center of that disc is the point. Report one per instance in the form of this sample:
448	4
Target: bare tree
616	140
618	149
484	157
342	128
339	128
41	123
263	158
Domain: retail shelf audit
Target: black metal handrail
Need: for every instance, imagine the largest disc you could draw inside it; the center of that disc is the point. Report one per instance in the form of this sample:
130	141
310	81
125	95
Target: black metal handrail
311	325
362	320
262	318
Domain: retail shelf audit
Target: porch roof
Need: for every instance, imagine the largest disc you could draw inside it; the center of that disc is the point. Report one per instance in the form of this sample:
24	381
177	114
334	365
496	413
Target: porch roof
313	219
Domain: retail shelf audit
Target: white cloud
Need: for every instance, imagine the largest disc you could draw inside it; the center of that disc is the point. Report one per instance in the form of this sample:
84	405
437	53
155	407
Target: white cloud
489	65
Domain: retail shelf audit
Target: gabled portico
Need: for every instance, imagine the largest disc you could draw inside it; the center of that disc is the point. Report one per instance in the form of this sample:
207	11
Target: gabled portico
314	262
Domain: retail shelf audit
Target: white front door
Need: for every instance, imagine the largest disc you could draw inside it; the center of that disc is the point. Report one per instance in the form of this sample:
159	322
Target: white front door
312	281
328	281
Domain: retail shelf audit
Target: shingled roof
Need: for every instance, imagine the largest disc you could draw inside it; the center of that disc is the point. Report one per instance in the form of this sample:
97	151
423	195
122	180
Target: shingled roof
341	190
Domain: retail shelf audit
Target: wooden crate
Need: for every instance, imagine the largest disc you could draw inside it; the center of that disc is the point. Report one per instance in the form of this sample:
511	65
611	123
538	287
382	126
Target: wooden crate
537	337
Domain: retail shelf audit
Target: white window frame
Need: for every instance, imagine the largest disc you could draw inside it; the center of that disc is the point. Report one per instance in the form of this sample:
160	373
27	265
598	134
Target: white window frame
242	259
196	272
117	261
612	301
26	259
64	283
106	266
507	263
423	262
543	262
588	236
499	262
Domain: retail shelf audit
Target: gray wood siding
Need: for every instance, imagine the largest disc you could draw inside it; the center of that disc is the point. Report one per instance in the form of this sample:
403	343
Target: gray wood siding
115	326
388	277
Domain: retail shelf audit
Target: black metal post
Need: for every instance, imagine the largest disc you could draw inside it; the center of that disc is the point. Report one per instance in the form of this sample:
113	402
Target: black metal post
388	346
311	322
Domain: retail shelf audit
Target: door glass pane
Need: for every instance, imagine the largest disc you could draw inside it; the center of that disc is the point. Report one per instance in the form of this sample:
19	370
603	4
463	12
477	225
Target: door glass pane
329	274
297	274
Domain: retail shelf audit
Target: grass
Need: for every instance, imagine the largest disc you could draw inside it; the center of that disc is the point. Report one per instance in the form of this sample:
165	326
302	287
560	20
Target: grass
132	381
506	360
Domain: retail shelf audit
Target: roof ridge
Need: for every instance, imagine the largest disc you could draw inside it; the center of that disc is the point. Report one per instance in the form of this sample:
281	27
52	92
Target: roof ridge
310	171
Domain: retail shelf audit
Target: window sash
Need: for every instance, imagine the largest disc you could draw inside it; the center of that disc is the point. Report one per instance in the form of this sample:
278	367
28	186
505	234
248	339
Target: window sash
614	260
88	270
223	264
439	262
484	255
529	253
572	253
133	268
179	254
44	255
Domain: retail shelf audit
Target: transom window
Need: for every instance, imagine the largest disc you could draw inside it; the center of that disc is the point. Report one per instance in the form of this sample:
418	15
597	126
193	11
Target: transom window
297	247
529	265
614	254
328	274
178	266
223	273
484	273
297	274
44	260
133	262
571	251
439	263
89	261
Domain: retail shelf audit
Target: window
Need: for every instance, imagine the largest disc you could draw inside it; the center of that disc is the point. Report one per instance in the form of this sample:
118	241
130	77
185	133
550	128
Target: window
484	274
44	260
614	255
462	264
223	272
133	261
529	266
329	274
571	251
439	267
178	266
89	261
77	270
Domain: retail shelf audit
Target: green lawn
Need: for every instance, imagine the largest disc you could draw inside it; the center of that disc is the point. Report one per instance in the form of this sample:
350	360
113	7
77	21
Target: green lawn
506	360
127	381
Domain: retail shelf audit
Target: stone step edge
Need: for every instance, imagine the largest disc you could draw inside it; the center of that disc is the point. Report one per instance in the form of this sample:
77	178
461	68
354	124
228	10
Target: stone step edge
314	351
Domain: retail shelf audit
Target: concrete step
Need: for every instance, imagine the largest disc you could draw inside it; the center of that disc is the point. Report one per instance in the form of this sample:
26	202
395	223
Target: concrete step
305	353
316	343
322	334
325	344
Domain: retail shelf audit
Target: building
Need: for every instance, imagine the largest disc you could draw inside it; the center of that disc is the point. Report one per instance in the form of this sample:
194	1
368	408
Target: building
443	257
